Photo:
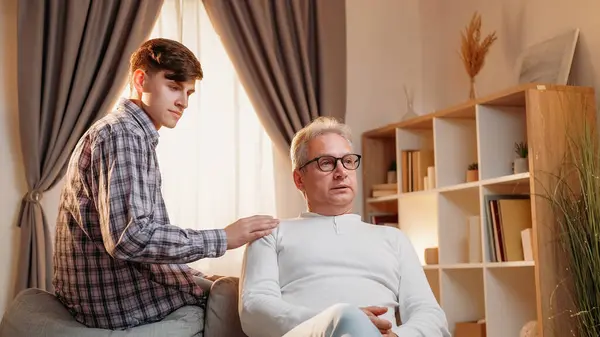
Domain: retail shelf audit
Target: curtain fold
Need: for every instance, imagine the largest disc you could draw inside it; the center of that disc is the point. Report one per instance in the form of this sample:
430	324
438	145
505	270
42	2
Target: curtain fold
73	61
290	56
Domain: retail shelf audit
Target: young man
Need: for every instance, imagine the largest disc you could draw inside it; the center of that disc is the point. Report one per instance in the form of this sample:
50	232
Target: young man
119	262
327	273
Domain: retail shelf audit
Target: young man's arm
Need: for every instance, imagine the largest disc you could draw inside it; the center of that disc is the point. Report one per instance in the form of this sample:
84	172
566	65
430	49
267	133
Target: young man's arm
420	312
125	202
263	313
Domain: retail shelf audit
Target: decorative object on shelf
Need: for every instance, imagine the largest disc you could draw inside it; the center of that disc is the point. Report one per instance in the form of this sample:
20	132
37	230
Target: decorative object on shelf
431	256
572	195
473	172
392	176
548	61
431	177
529	329
410	108
521	163
473	50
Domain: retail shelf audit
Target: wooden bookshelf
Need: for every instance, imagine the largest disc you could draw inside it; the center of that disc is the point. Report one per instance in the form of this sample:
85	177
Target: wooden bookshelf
507	294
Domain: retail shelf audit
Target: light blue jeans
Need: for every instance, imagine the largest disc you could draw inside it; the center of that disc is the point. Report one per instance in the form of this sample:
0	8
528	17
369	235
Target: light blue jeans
340	320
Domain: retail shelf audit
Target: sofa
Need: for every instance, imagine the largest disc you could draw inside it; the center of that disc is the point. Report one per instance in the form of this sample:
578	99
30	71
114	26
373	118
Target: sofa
37	313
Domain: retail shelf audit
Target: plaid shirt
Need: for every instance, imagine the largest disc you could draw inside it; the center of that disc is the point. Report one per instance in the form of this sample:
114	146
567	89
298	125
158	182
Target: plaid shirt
118	262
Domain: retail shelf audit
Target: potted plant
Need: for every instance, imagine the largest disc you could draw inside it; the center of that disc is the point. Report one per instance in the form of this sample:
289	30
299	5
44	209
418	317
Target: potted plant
473	172
521	164
392	177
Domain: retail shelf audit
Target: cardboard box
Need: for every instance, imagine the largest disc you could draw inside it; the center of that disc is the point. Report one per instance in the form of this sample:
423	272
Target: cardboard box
469	329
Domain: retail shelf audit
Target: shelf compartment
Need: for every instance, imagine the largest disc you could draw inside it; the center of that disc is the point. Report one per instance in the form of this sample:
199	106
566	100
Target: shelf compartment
511	300
455	145
463	297
387	204
415	155
418	218
379	152
458	210
498	129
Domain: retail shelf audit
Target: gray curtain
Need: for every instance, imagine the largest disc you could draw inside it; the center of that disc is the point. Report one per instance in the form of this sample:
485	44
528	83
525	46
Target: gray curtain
73	58
290	56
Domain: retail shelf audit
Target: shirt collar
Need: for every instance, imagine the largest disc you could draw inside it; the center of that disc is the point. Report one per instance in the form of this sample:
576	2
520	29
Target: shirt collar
140	116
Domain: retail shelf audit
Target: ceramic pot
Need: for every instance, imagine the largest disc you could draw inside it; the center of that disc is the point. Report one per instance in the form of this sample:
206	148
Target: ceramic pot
391	177
472	175
521	165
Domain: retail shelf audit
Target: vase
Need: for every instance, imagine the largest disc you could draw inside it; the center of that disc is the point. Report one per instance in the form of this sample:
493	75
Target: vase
521	165
472	91
472	175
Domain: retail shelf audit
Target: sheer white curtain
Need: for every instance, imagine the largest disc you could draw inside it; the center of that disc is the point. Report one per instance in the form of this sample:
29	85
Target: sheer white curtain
217	164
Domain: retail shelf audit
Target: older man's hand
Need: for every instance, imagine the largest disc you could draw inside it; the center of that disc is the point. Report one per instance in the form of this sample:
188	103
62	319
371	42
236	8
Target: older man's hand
383	325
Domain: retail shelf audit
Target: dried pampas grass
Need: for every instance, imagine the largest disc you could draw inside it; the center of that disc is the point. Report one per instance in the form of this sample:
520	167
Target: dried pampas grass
473	50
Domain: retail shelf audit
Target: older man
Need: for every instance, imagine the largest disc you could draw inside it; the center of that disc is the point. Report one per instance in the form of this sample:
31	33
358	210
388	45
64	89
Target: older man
327	273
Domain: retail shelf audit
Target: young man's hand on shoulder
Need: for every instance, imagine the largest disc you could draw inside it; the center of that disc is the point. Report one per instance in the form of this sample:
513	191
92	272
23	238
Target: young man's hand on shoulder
248	229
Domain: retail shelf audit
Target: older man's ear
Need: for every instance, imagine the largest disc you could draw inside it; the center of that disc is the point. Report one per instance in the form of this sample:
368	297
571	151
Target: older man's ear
298	180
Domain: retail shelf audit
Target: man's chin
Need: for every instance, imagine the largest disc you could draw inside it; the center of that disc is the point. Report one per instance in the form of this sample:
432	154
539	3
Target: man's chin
343	198
170	126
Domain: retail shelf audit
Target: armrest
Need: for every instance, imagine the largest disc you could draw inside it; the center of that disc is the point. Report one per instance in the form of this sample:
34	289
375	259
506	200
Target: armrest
222	316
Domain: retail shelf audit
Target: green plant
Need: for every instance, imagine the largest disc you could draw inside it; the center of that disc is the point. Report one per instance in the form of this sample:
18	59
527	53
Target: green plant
473	166
574	197
521	149
392	166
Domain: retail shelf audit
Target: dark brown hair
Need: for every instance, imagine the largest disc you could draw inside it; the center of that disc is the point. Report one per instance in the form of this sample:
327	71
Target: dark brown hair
178	62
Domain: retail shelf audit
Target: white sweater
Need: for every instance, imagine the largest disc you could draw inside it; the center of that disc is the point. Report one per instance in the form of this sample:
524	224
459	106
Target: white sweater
310	263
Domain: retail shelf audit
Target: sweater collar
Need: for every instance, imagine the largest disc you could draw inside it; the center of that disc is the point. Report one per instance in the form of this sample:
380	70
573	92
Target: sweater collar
317	215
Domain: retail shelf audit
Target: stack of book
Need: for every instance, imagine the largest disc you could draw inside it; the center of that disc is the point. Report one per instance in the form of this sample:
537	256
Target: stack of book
383	190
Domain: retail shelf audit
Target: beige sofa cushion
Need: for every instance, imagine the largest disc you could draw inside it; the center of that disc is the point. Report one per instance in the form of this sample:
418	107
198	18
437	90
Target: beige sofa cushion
222	317
37	313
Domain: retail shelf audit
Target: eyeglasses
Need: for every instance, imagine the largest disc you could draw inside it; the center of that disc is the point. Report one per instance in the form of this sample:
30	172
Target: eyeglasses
329	163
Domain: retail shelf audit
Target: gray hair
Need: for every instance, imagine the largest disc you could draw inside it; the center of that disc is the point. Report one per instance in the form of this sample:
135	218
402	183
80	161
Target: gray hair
318	127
